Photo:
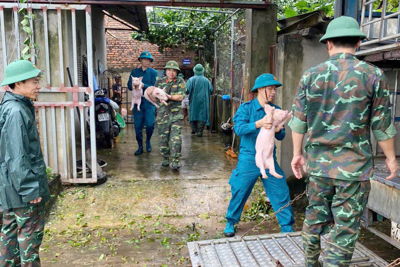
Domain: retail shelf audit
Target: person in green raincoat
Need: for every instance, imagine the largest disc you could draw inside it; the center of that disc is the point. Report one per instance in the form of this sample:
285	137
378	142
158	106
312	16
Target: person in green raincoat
23	181
199	89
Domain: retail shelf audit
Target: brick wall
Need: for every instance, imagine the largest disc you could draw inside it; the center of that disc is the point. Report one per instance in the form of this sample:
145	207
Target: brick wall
123	51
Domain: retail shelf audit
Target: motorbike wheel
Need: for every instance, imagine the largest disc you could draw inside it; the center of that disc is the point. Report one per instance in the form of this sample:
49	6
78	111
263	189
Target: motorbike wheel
107	141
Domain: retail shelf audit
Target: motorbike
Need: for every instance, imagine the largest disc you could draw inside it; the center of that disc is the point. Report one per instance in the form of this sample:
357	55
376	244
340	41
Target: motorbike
107	127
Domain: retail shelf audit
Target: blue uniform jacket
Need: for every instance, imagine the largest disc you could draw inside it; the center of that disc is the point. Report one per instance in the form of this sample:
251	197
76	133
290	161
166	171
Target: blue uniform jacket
149	77
245	127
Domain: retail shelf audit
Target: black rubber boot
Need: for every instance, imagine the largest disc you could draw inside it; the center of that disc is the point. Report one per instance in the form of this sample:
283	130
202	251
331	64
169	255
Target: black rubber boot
148	146
165	162
139	151
175	164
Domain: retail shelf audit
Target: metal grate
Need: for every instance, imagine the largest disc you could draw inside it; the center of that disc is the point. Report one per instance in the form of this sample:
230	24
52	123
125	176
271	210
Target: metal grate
383	30
265	250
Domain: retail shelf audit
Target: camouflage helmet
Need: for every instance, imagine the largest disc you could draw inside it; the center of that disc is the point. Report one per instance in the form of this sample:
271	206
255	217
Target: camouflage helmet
342	27
172	65
20	70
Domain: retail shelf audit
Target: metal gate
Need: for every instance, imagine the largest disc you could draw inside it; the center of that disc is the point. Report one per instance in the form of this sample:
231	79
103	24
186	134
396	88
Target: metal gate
57	119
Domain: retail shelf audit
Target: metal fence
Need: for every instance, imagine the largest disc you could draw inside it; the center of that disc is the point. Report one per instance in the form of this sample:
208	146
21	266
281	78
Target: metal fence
57	119
230	55
380	24
239	53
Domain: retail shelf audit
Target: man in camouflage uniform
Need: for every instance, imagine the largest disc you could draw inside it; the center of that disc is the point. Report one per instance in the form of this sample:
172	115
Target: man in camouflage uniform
23	180
170	118
337	104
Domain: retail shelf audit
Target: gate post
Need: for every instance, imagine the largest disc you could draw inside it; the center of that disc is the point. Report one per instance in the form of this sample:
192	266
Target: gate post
260	36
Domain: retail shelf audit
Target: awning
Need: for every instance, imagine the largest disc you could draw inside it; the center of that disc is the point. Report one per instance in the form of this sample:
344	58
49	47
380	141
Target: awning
133	15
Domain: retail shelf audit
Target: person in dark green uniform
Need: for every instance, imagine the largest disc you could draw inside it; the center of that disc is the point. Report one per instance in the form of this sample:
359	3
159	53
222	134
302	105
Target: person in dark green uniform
147	114
199	89
23	184
338	103
170	118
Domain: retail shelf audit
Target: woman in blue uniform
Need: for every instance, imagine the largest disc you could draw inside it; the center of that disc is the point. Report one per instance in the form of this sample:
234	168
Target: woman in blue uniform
248	120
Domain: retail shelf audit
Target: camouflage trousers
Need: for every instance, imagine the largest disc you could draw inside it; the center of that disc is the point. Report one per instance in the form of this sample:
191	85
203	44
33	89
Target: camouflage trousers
197	126
21	236
170	132
335	207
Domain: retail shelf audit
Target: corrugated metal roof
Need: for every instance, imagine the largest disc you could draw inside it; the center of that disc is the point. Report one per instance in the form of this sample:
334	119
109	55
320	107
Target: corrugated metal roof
315	19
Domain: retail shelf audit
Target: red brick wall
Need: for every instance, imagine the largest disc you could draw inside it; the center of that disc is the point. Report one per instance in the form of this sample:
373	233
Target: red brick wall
123	51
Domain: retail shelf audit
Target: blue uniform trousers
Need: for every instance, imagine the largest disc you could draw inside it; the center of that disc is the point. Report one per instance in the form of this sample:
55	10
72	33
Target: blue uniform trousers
146	116
242	182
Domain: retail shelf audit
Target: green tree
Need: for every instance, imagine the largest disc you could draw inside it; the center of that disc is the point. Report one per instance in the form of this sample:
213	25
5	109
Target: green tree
173	29
195	30
291	8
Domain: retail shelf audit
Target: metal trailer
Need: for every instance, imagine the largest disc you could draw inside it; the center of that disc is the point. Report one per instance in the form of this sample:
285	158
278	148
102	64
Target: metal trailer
265	250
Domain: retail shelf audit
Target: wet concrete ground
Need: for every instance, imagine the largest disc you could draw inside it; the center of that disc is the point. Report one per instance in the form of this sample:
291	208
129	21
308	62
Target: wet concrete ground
144	214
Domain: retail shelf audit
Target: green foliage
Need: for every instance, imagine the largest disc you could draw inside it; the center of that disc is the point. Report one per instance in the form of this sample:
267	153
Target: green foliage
259	207
189	30
30	46
193	30
49	173
208	70
392	6
291	8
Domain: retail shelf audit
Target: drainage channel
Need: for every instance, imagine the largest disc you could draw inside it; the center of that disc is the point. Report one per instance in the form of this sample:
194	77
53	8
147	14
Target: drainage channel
265	250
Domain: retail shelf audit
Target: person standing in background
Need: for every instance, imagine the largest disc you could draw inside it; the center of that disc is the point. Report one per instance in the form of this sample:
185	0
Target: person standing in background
199	89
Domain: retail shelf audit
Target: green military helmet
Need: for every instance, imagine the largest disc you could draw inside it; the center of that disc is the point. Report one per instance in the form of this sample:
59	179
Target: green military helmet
20	70
147	55
343	27
172	65
198	69
264	80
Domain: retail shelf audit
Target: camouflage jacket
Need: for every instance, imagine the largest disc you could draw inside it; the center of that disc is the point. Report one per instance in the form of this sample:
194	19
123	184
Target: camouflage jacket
337	104
174	109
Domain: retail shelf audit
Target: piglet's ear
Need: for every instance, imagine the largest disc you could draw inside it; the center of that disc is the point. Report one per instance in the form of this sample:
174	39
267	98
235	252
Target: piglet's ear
141	78
164	88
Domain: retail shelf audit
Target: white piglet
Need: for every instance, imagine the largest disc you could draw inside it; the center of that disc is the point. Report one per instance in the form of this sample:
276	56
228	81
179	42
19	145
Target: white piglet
137	87
265	142
153	93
